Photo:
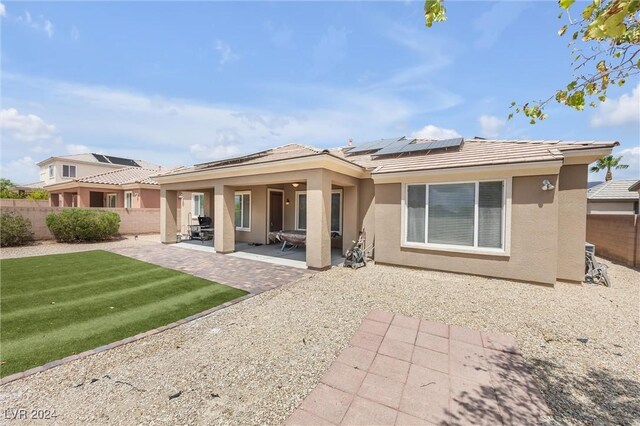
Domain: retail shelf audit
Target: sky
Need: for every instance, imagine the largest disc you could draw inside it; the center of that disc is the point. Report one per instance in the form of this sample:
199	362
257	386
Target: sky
183	83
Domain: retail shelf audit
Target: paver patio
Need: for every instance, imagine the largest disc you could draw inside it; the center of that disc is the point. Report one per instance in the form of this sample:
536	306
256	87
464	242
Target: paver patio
252	276
405	371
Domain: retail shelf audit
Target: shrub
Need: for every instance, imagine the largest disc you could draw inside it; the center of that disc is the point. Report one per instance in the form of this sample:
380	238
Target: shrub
77	225
15	230
38	194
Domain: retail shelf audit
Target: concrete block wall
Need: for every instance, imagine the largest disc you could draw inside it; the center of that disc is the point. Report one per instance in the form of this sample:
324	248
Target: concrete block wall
615	236
132	221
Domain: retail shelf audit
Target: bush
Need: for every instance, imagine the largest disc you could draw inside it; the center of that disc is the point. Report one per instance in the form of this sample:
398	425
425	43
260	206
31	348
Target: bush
38	194
77	225
15	230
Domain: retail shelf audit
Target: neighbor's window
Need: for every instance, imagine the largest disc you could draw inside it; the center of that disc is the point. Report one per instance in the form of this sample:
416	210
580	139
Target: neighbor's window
197	204
112	200
243	210
52	171
68	171
128	199
336	210
458	214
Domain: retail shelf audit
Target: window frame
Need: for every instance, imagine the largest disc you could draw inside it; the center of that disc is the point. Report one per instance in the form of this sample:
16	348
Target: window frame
75	171
52	171
130	195
242	194
200	196
505	226
297	212
115	196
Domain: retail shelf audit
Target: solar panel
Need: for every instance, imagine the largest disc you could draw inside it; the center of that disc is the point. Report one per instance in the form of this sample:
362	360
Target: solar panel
374	145
122	161
417	147
101	158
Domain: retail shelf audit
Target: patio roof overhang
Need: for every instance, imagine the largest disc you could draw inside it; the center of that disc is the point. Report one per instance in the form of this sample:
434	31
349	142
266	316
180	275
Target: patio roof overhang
66	186
324	161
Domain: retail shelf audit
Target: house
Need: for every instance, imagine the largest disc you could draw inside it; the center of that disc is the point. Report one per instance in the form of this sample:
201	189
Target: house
508	209
613	197
63	168
128	187
635	187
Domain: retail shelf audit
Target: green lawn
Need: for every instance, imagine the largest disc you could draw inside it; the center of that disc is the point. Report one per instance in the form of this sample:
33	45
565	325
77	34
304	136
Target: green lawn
59	305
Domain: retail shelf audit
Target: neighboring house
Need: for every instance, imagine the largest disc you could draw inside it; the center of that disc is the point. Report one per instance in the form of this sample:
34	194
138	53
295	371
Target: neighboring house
129	187
508	209
29	187
635	187
613	197
63	168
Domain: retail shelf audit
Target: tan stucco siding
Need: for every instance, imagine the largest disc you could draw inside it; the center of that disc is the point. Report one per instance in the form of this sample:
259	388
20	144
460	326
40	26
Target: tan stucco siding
533	236
572	221
258	230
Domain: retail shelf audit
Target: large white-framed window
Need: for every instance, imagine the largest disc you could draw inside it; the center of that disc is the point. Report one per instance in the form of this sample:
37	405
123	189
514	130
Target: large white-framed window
68	171
128	199
112	200
336	210
457	215
197	204
242	209
52	171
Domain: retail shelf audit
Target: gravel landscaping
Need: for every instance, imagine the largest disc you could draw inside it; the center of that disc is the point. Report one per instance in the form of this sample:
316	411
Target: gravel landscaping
254	362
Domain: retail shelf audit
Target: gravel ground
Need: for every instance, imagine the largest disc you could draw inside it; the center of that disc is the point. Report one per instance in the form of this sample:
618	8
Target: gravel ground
40	248
254	362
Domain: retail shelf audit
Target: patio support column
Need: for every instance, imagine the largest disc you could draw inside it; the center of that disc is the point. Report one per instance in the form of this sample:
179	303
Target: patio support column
168	216
224	219
319	220
350	229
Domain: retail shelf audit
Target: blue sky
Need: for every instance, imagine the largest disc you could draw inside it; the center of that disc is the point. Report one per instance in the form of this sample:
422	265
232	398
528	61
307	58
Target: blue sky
181	83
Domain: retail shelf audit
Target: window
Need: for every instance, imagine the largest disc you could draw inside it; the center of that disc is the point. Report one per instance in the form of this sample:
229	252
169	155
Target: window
197	204
128	200
243	211
112	200
68	171
336	210
469	214
52	171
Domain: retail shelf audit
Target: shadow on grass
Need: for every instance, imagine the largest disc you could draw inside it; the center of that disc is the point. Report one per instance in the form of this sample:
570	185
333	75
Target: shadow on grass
515	397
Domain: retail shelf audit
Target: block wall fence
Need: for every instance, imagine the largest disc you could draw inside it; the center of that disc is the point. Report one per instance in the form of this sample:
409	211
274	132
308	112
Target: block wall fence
615	236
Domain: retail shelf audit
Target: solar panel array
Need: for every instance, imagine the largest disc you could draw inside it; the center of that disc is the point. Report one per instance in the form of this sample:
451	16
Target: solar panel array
410	146
116	160
374	145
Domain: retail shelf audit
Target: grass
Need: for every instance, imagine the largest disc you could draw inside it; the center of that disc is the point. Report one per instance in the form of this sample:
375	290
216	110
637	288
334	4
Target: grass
59	305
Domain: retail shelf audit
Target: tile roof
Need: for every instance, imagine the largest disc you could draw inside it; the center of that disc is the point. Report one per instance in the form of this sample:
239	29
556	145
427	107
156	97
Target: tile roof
635	186
613	190
122	176
472	152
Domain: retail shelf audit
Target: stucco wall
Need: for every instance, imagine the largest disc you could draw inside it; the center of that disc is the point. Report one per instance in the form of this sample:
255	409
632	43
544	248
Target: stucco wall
533	236
148	199
616	237
572	221
610	207
132	221
82	169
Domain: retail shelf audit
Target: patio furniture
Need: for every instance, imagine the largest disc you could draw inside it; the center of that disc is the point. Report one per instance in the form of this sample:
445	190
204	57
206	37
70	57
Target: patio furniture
203	231
294	238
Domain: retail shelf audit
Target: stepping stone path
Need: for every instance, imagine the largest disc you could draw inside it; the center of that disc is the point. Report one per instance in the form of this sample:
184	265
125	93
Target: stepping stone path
405	371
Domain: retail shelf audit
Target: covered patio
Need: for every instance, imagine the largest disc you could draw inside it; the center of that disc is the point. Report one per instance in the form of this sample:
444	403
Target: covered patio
318	198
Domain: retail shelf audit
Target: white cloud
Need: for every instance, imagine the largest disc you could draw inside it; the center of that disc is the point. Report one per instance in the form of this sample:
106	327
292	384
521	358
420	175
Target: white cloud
281	37
433	132
3	11
77	149
27	128
21	170
624	110
491	126
226	53
40	23
205	152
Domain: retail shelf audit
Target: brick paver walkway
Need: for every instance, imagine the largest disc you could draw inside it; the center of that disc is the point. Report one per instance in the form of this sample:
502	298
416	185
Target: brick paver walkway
403	371
252	276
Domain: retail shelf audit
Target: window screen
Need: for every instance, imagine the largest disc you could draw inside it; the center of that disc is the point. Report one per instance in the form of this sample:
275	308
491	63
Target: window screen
416	203
490	213
451	214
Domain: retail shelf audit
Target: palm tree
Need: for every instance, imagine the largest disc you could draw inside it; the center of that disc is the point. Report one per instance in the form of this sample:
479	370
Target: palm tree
609	162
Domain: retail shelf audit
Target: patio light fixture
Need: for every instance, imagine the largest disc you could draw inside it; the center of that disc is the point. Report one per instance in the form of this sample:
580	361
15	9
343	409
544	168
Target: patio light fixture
287	202
546	185
295	184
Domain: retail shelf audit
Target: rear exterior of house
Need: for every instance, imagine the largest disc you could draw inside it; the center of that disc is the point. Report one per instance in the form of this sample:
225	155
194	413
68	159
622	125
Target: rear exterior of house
507	209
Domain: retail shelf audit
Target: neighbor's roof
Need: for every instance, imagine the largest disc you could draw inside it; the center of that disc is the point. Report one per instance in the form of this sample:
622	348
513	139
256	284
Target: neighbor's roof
471	152
34	185
613	190
125	176
635	186
103	159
